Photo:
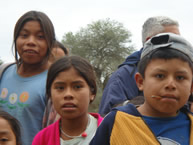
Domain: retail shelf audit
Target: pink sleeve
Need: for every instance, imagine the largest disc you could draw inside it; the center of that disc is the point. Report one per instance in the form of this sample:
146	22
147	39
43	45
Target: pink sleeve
36	140
98	117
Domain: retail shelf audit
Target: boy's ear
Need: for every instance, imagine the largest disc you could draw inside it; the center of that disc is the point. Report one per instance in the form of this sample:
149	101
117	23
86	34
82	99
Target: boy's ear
139	81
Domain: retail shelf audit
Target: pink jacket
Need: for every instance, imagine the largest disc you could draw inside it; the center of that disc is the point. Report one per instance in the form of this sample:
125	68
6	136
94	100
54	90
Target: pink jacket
51	134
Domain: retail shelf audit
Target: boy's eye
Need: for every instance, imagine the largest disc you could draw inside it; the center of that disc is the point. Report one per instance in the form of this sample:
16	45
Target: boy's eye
180	77
78	86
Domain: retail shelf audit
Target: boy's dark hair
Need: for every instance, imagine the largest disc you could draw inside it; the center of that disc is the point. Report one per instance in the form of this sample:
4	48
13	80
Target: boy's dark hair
82	66
163	53
165	46
60	45
46	25
14	123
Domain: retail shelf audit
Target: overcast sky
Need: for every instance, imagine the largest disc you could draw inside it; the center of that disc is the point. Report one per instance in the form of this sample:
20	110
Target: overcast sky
71	15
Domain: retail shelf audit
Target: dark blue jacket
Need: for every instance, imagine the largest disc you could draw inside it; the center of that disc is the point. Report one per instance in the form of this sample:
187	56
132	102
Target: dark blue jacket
121	86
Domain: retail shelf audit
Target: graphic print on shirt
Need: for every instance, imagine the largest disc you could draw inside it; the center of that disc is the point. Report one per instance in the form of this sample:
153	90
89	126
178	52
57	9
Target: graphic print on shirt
13	101
4	93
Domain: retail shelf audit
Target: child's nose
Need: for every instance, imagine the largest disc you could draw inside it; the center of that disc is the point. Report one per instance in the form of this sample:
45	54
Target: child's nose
68	95
170	84
31	40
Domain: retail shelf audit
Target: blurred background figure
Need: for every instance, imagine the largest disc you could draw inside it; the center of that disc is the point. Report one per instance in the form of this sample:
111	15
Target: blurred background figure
58	51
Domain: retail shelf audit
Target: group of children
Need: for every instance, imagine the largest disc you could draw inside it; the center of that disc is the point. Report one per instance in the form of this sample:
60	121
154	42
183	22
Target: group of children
165	75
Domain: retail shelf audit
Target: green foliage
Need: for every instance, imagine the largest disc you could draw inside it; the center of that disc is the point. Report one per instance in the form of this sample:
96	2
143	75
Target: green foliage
105	43
1	62
94	106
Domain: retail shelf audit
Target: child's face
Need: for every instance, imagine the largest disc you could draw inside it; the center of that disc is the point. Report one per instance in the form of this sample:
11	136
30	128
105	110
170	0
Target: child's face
169	79
70	94
31	43
7	137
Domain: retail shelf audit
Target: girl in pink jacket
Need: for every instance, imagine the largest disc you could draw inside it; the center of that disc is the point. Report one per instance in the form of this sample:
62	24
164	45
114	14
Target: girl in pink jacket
71	85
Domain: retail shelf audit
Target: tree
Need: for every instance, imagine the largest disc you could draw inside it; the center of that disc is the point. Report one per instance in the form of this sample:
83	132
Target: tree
105	43
1	62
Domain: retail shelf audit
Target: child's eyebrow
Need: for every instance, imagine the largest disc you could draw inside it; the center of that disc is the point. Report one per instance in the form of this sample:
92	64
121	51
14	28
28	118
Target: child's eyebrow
74	82
4	132
160	70
182	72
58	82
78	81
26	30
